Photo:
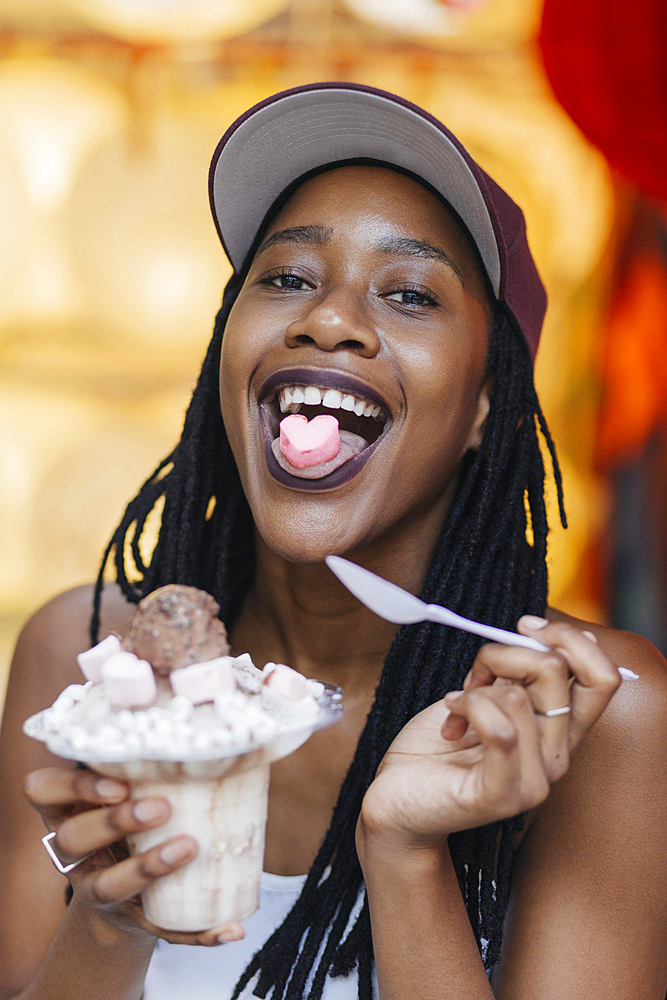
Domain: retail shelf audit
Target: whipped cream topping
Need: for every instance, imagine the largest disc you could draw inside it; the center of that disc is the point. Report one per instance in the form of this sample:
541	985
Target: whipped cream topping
259	707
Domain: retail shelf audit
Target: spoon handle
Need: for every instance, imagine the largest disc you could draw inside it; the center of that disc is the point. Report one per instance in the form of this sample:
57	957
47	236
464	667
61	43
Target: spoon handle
446	617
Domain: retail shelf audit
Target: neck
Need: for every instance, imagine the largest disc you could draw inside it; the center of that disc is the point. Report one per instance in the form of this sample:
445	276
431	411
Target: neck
303	616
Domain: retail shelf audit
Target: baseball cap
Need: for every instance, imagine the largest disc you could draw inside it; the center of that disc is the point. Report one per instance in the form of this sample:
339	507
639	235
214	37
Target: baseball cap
296	132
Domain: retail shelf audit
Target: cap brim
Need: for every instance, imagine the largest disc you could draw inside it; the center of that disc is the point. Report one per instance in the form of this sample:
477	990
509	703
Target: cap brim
298	131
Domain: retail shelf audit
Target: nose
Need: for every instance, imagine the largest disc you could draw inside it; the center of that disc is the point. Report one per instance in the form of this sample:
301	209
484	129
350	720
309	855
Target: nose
333	323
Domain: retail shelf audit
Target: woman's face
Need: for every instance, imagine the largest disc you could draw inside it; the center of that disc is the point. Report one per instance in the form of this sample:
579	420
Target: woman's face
364	288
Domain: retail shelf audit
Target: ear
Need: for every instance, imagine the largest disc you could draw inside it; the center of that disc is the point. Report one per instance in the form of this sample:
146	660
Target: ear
479	423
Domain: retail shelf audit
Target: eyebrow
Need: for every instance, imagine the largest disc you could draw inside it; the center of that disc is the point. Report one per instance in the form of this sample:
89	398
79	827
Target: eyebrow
317	236
405	247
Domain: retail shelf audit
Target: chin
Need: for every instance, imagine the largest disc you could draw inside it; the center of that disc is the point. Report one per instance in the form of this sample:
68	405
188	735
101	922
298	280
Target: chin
305	536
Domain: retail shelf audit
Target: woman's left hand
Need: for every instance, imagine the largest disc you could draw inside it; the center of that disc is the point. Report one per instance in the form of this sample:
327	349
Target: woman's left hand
491	751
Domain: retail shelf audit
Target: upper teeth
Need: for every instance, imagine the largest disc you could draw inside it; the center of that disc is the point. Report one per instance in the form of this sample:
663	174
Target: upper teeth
293	396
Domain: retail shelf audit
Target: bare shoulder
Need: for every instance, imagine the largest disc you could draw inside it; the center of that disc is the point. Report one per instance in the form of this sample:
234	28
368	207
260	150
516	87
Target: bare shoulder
45	659
591	867
639	706
62	626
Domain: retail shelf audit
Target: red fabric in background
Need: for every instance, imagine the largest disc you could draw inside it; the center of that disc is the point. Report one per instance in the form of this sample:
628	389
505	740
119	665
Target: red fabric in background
607	63
634	362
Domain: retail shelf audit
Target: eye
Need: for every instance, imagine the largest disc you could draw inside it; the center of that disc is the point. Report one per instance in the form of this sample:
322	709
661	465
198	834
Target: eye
285	280
412	297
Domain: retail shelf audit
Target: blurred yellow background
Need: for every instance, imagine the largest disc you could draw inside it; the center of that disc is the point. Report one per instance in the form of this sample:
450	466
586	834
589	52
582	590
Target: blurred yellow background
111	272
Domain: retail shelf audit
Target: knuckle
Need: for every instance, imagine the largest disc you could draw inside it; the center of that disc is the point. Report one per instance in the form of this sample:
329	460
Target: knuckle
31	784
484	653
613	678
117	820
515	697
541	791
491	654
64	842
509	738
505	736
150	866
566	632
555	663
535	791
101	892
473	699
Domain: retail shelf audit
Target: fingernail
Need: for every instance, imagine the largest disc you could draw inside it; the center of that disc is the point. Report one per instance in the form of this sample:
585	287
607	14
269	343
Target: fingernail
108	789
590	635
177	851
226	937
147	810
532	621
454	695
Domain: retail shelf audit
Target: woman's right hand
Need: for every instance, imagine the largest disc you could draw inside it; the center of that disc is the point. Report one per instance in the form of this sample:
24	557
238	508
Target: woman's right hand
92	815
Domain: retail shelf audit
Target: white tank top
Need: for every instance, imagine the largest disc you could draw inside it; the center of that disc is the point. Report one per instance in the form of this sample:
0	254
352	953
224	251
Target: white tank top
181	972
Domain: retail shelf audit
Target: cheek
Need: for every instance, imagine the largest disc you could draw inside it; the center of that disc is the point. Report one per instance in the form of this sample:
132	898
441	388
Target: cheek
444	396
236	364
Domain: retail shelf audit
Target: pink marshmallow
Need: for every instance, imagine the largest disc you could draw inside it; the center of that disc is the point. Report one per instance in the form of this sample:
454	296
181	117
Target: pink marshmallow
287	682
128	681
306	443
204	681
92	660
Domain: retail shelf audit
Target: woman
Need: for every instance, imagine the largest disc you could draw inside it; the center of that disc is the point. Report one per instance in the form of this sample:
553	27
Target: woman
374	262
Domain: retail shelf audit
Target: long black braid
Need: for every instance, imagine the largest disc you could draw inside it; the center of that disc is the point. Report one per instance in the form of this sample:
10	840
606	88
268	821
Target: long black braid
485	567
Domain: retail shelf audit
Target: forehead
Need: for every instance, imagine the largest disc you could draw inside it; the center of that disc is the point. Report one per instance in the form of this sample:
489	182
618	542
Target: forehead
373	201
365	190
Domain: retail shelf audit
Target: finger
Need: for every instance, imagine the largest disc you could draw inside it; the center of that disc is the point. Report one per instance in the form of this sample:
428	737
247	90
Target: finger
225	934
96	828
455	725
535	770
596	678
511	777
54	790
107	887
547	678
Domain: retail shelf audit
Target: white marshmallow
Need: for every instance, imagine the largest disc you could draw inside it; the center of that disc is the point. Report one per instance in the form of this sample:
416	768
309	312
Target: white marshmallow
202	682
92	660
128	681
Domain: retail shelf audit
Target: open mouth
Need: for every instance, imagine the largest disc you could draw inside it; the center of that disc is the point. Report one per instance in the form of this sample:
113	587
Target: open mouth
362	414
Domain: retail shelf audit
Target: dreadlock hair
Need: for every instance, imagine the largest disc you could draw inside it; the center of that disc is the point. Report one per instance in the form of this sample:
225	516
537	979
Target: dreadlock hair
487	566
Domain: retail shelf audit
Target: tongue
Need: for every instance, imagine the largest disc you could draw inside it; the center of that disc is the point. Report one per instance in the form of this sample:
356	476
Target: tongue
328	455
306	444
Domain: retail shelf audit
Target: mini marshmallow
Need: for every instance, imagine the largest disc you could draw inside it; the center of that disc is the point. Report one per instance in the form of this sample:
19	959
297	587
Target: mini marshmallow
285	681
203	682
128	681
180	708
92	660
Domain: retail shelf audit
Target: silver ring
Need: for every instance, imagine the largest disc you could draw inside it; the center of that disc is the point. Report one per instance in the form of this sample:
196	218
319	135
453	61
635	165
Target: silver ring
551	713
63	869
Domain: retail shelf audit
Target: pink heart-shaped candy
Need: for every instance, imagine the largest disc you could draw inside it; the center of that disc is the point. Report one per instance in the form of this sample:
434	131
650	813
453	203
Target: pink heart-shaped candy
306	443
